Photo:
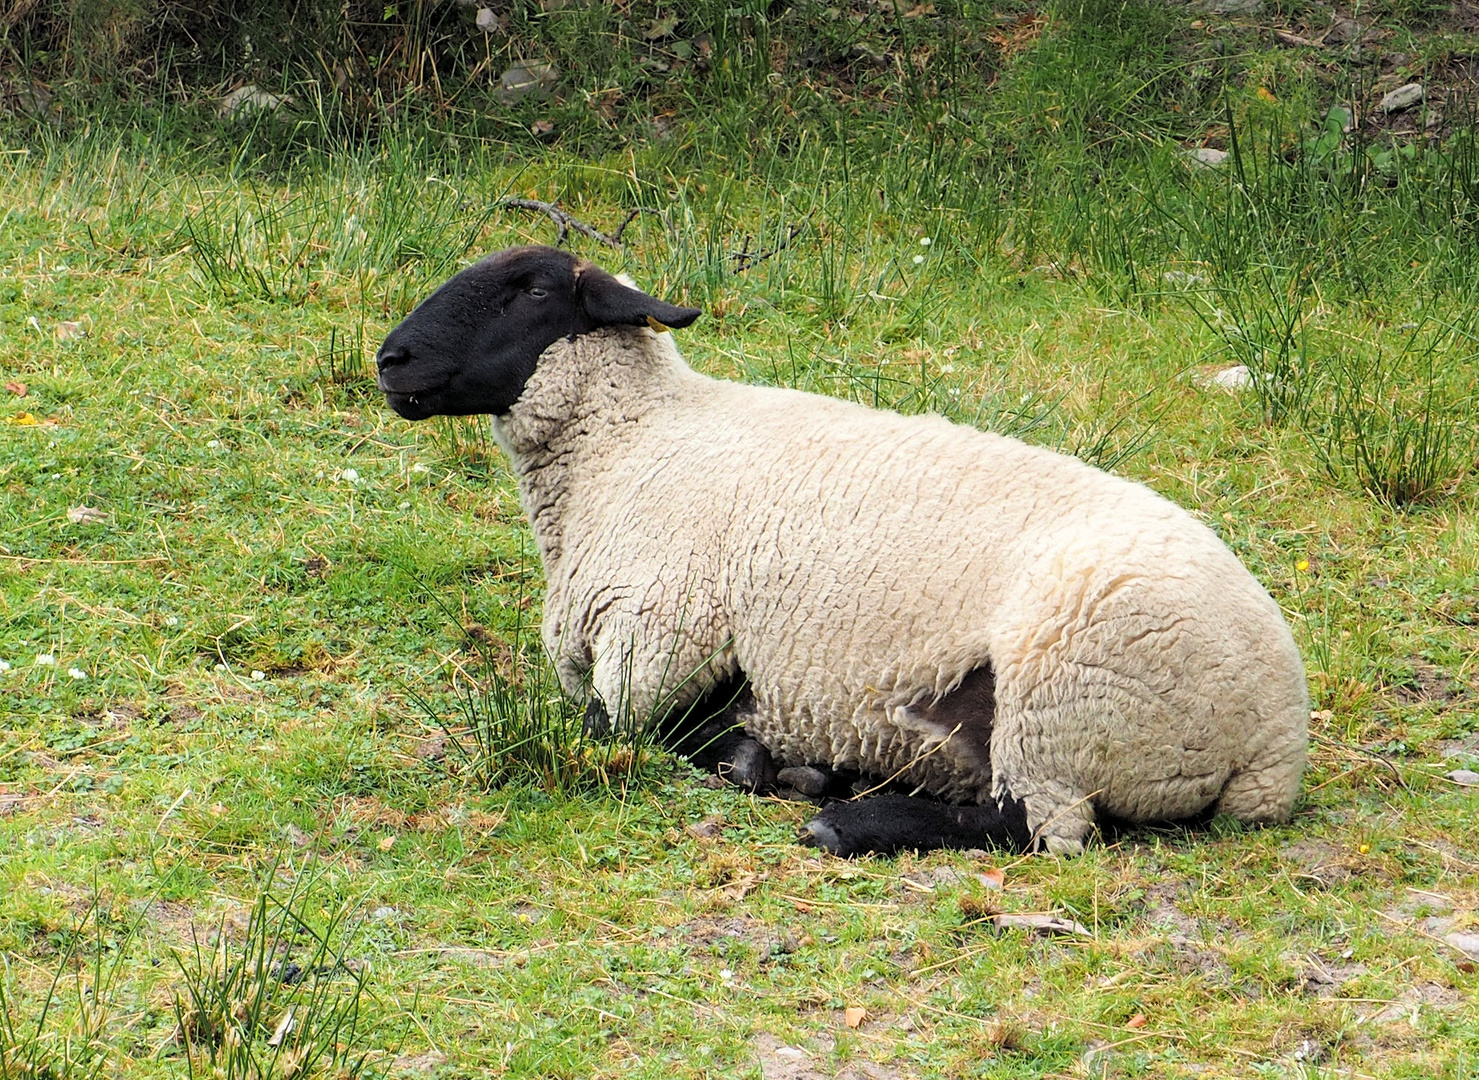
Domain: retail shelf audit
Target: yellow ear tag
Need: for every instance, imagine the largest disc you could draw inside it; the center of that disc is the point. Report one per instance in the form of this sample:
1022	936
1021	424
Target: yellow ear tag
659	327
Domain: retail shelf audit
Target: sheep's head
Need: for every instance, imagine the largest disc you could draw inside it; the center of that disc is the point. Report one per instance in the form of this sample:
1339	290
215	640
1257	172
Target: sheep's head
473	344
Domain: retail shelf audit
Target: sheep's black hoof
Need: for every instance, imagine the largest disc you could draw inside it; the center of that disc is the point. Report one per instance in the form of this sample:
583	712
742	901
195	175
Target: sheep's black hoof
748	765
888	824
597	724
817	833
808	781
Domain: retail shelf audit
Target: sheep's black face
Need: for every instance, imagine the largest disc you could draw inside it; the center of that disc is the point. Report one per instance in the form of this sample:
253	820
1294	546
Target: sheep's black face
473	344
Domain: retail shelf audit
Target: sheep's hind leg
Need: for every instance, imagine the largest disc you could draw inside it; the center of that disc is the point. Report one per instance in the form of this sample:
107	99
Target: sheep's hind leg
888	824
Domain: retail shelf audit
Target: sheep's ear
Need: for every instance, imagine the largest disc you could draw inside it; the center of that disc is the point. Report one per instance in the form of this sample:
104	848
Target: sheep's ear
608	302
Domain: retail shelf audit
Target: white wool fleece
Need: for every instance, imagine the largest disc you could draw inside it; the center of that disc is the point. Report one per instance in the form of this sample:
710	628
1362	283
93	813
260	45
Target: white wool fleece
856	565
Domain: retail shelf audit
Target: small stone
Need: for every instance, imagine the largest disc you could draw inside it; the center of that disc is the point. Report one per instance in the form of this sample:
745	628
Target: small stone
805	779
1342	31
487	21
1232	7
525	80
1464	777
1208	157
1464	943
1237	377
248	99
426	1064
1404	97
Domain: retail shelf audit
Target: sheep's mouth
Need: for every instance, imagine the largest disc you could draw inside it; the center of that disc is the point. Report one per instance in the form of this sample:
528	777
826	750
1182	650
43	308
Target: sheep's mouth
415	405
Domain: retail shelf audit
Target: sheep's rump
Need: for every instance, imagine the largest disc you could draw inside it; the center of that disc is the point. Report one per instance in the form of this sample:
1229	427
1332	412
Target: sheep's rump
857	566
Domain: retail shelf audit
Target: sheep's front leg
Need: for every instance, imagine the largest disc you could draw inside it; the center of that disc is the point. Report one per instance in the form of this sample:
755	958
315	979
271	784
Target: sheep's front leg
711	735
888	824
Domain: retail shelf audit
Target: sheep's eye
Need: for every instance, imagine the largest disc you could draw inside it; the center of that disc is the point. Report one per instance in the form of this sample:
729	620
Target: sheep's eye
536	292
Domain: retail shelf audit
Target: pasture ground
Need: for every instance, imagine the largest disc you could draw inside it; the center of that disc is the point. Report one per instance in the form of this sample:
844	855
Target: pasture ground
237	594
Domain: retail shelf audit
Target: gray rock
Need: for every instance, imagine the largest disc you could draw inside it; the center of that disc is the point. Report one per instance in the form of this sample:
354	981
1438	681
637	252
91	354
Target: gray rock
1404	97
1183	279
531	79
1342	31
248	99
1465	777
1208	157
1464	943
1231	7
1237	377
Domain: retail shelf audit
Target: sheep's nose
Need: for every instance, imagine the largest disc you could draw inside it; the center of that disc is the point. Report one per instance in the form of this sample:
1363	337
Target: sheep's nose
391	356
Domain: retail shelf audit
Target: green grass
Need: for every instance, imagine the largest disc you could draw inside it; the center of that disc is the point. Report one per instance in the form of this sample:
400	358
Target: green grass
280	576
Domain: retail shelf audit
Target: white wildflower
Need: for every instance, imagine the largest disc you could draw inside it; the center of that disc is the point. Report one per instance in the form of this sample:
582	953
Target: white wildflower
351	475
214	443
4	666
918	259
76	673
258	676
45	659
925	241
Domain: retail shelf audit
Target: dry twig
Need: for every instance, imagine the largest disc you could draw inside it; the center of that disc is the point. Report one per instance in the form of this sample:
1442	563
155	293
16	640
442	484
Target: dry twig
565	222
744	259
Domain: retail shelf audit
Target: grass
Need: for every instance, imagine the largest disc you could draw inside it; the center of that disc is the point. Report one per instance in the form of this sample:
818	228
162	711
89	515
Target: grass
275	570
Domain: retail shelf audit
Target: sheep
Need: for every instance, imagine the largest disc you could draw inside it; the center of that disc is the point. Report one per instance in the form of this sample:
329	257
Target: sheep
1027	643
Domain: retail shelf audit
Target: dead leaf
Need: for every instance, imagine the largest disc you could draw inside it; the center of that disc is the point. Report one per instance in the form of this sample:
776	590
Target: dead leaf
69	331
1286	38
1136	1021
710	828
660	28
284	1026
22	419
85	515
541	129
386	843
16	388
994	878
854	1015
1266	94
1040	924
740	887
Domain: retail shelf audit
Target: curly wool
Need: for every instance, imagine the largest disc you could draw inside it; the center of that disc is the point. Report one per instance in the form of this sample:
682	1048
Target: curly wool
857	565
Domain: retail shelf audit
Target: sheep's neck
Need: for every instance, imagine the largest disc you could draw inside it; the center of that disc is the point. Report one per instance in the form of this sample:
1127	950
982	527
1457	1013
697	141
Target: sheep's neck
575	412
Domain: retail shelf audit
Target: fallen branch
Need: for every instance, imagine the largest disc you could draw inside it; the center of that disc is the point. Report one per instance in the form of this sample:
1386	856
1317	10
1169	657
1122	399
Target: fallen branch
747	258
565	222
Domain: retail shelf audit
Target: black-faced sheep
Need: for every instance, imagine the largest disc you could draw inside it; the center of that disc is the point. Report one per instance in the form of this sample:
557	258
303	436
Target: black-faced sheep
1027	639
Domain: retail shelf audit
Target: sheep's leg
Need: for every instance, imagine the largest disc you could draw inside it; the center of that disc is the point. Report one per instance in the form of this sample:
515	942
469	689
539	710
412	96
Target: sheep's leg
711	735
888	824
597	721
